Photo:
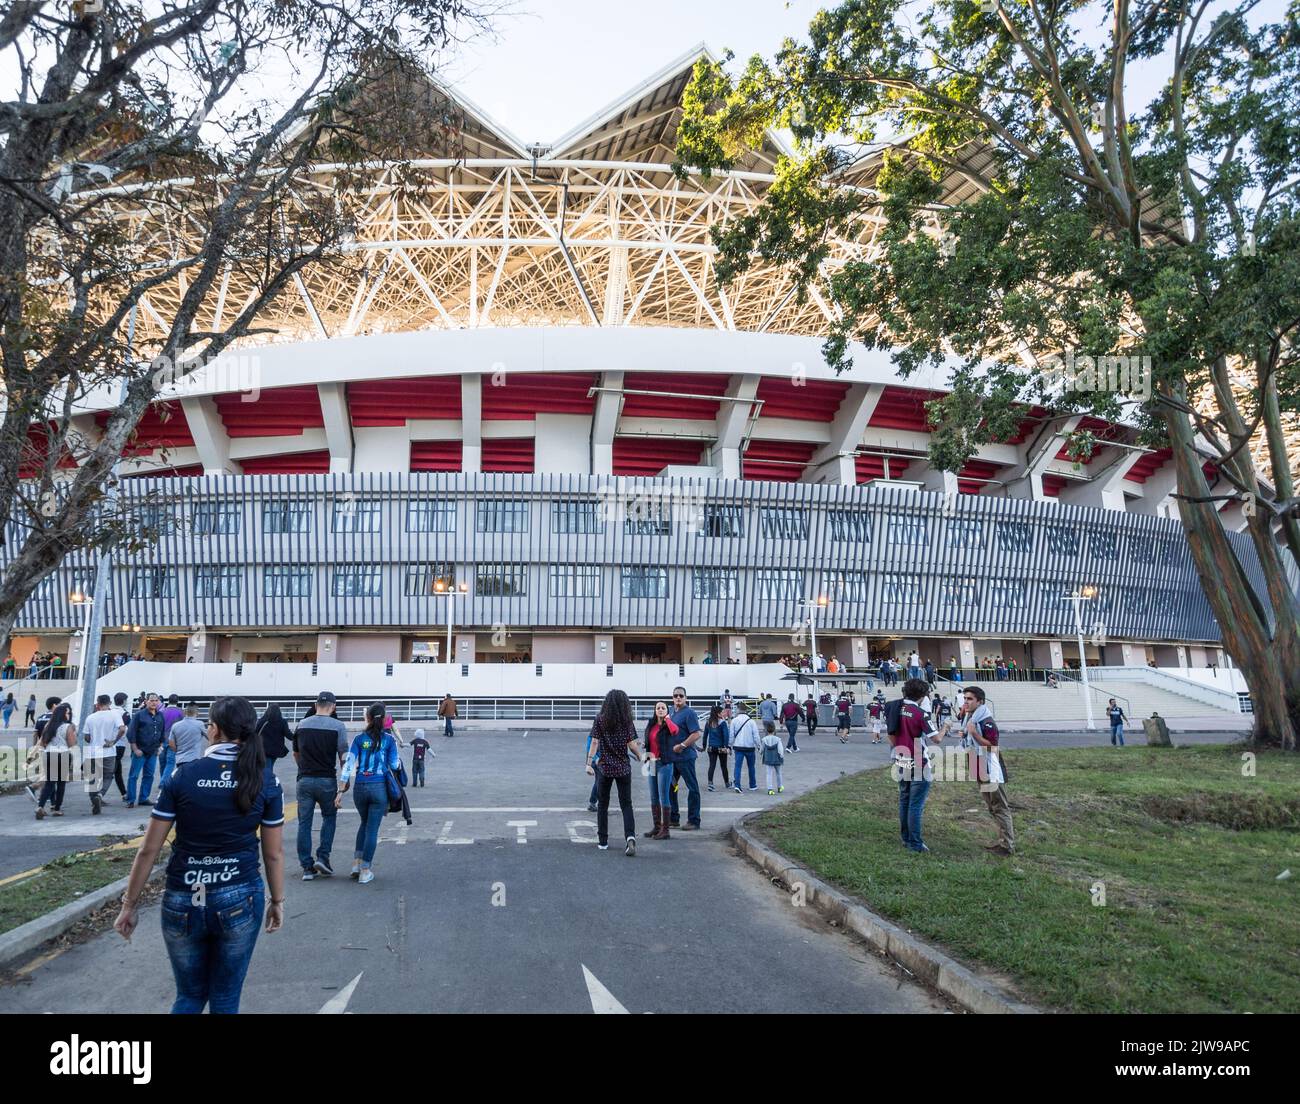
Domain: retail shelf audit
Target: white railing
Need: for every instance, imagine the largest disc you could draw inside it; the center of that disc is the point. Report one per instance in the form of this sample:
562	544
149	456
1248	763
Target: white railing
1184	687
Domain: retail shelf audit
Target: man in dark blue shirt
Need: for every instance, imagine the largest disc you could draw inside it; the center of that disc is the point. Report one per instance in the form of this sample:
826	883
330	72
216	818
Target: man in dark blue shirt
683	752
144	735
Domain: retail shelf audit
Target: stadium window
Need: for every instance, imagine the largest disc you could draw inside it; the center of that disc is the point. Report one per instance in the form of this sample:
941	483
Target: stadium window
1007	594
842	586
850	525
217	582
959	592
576	517
900	590
502	516
429	578
722	521
644	518
965	533
500	580
645	582
1063	540
216	518
1137	601
356	515
575	581
1142	548
1103	545
428	515
779	585
292	516
153	582
1014	536
784	523
907	529
287	581
715	582
357	581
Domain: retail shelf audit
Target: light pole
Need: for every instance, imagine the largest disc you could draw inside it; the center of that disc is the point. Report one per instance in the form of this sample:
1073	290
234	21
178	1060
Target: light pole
440	587
79	598
1083	594
812	605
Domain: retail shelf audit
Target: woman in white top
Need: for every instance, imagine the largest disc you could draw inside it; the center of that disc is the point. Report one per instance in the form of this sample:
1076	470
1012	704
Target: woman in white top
57	740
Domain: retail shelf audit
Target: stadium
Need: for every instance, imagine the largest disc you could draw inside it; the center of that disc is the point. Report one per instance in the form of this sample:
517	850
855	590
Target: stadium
538	430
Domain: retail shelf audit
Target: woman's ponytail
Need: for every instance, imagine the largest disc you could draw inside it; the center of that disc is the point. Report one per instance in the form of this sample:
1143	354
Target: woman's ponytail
236	719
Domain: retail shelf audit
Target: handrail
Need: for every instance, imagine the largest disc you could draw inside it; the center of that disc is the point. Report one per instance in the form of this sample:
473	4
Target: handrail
1128	705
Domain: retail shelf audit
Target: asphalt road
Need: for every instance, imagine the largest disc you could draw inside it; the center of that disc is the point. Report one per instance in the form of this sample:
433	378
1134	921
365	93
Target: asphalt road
497	900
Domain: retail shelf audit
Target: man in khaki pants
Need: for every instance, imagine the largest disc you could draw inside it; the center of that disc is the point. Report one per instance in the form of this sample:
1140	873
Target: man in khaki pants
447	711
981	731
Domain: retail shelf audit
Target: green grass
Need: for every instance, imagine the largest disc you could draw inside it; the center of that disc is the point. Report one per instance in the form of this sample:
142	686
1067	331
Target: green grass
60	882
1189	850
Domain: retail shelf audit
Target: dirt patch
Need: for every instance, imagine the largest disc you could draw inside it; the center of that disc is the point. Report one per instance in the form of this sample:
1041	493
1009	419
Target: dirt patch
1255	812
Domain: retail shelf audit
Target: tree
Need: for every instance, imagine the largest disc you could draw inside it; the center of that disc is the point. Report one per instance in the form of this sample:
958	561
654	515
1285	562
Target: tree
141	155
1094	224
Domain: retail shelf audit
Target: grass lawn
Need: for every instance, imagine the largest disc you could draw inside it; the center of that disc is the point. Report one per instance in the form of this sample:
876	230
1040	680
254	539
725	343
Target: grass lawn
1189	851
62	881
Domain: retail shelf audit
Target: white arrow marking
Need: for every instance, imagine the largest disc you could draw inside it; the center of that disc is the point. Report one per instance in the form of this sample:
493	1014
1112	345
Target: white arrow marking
521	829
445	835
338	1003
603	1002
575	836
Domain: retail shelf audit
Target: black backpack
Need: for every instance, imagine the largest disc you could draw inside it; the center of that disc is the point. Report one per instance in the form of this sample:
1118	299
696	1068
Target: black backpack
893	712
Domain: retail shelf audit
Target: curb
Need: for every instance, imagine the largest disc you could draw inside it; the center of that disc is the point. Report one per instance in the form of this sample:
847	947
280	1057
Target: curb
951	978
28	937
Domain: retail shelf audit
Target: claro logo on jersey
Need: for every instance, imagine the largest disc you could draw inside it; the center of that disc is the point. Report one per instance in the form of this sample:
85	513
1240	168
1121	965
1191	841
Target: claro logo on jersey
125	1059
225	782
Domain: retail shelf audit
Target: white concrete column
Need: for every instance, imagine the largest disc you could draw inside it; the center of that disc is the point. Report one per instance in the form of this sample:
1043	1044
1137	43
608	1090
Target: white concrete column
1056	653
604	423
210	437
833	462
966	653
729	426
1033	468
338	425
465	643
560	443
734	647
602	648
1155	494
471	416
1106	489
940	482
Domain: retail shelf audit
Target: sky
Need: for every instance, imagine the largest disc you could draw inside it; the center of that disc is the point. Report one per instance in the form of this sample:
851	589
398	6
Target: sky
554	63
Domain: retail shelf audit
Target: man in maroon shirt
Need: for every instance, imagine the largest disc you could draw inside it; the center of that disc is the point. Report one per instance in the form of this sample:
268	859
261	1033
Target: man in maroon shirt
911	766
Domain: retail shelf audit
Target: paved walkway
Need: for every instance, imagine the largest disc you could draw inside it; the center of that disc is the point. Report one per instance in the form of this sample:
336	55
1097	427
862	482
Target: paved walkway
496	899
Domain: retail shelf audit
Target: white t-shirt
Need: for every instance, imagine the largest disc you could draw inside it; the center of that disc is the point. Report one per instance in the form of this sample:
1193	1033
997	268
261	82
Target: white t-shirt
100	733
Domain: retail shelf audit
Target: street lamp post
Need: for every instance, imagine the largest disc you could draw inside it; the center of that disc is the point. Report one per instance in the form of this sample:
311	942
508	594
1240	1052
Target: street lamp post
812	605
1084	594
449	593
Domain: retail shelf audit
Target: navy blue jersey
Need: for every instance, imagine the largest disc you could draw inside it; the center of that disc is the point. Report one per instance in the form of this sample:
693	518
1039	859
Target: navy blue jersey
215	844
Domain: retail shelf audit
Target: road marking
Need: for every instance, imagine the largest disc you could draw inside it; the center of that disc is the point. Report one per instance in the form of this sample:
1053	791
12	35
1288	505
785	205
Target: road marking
521	829
719	809
338	1004
573	827
445	835
603	1002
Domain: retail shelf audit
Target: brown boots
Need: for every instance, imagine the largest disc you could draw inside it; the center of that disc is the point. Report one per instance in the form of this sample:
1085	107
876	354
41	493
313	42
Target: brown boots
654	809
660	830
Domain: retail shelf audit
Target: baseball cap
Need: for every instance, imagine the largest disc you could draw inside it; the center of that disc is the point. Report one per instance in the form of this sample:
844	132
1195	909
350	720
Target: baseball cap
325	698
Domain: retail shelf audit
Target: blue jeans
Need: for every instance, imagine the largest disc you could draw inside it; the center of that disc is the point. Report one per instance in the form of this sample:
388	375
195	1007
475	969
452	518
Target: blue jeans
911	804
313	792
417	772
448	730
371	800
746	755
1117	733
166	764
686	771
145	763
661	783
210	945
792	727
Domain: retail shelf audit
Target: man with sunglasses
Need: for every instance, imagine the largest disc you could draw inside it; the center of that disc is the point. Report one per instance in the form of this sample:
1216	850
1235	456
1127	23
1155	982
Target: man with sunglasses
688	735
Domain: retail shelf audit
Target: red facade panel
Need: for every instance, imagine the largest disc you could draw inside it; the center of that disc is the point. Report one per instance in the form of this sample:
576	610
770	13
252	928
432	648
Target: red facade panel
278	412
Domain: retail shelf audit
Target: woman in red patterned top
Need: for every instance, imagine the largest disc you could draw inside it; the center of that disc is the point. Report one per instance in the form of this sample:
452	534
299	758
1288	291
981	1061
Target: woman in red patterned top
612	733
660	735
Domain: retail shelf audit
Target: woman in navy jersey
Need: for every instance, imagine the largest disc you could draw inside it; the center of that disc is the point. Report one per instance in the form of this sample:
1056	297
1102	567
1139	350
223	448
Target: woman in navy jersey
371	759
214	899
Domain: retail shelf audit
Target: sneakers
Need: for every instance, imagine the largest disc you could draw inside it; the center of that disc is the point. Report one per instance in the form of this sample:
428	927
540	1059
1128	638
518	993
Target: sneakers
323	868
771	793
921	849
710	787
591	807
96	804
780	789
602	847
40	812
689	827
56	812
366	877
753	789
737	789
630	849
309	875
145	801
356	869
130	804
